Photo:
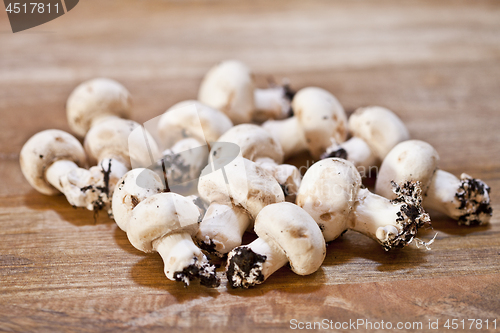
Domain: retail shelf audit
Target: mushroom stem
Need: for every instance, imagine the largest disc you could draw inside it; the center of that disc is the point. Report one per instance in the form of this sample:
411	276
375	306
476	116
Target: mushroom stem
184	261
289	134
288	176
355	150
253	263
271	103
466	199
222	229
57	170
392	223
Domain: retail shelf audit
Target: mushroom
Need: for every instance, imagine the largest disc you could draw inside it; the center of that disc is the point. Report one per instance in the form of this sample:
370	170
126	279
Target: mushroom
237	192
331	193
375	131
229	86
184	131
164	223
135	186
113	144
95	100
259	146
319	122
287	233
46	159
466	199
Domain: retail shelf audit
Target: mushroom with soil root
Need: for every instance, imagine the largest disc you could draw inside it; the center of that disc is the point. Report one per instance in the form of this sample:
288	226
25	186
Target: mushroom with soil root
287	233
259	146
466	199
47	158
115	145
237	192
164	223
96	100
331	193
229	86
375	131
185	132
319	122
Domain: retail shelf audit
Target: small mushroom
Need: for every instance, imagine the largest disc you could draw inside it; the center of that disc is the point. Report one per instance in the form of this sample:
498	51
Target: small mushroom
95	100
466	199
113	144
287	233
375	130
47	157
259	146
236	193
165	223
229	86
135	186
319	122
185	130
331	193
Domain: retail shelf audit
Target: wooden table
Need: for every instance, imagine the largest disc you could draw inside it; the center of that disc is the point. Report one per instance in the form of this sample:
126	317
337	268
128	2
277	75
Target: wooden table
437	64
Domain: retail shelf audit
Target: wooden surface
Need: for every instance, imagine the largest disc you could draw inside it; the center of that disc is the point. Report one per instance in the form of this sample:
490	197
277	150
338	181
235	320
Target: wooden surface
437	64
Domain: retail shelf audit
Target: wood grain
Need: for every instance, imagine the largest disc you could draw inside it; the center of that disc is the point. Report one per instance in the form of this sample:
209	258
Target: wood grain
435	63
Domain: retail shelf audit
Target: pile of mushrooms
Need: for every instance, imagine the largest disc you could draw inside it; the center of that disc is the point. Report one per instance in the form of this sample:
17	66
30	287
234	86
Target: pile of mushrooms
191	183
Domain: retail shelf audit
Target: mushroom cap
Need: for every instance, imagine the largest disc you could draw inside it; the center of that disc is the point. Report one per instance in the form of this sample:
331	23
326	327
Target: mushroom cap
321	118
184	120
248	186
379	127
94	99
45	148
328	192
119	139
160	215
254	142
229	87
409	160
135	186
294	231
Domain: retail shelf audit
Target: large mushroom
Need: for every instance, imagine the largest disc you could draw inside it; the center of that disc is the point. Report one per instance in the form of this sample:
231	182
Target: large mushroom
287	233
375	131
331	192
237	192
229	86
47	158
319	122
259	146
164	223
465	199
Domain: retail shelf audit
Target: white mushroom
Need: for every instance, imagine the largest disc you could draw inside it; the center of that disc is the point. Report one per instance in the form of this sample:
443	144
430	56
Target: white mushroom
229	86
286	233
237	192
111	144
47	157
165	223
466	199
185	131
375	130
319	122
331	193
259	146
95	100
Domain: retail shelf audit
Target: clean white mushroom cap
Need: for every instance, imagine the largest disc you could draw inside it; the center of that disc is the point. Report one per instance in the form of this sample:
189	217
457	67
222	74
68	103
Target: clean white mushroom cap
229	87
135	186
379	127
192	119
161	215
295	232
96	98
42	150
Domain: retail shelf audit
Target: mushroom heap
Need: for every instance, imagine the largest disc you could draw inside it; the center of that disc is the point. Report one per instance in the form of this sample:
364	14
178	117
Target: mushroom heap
207	171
